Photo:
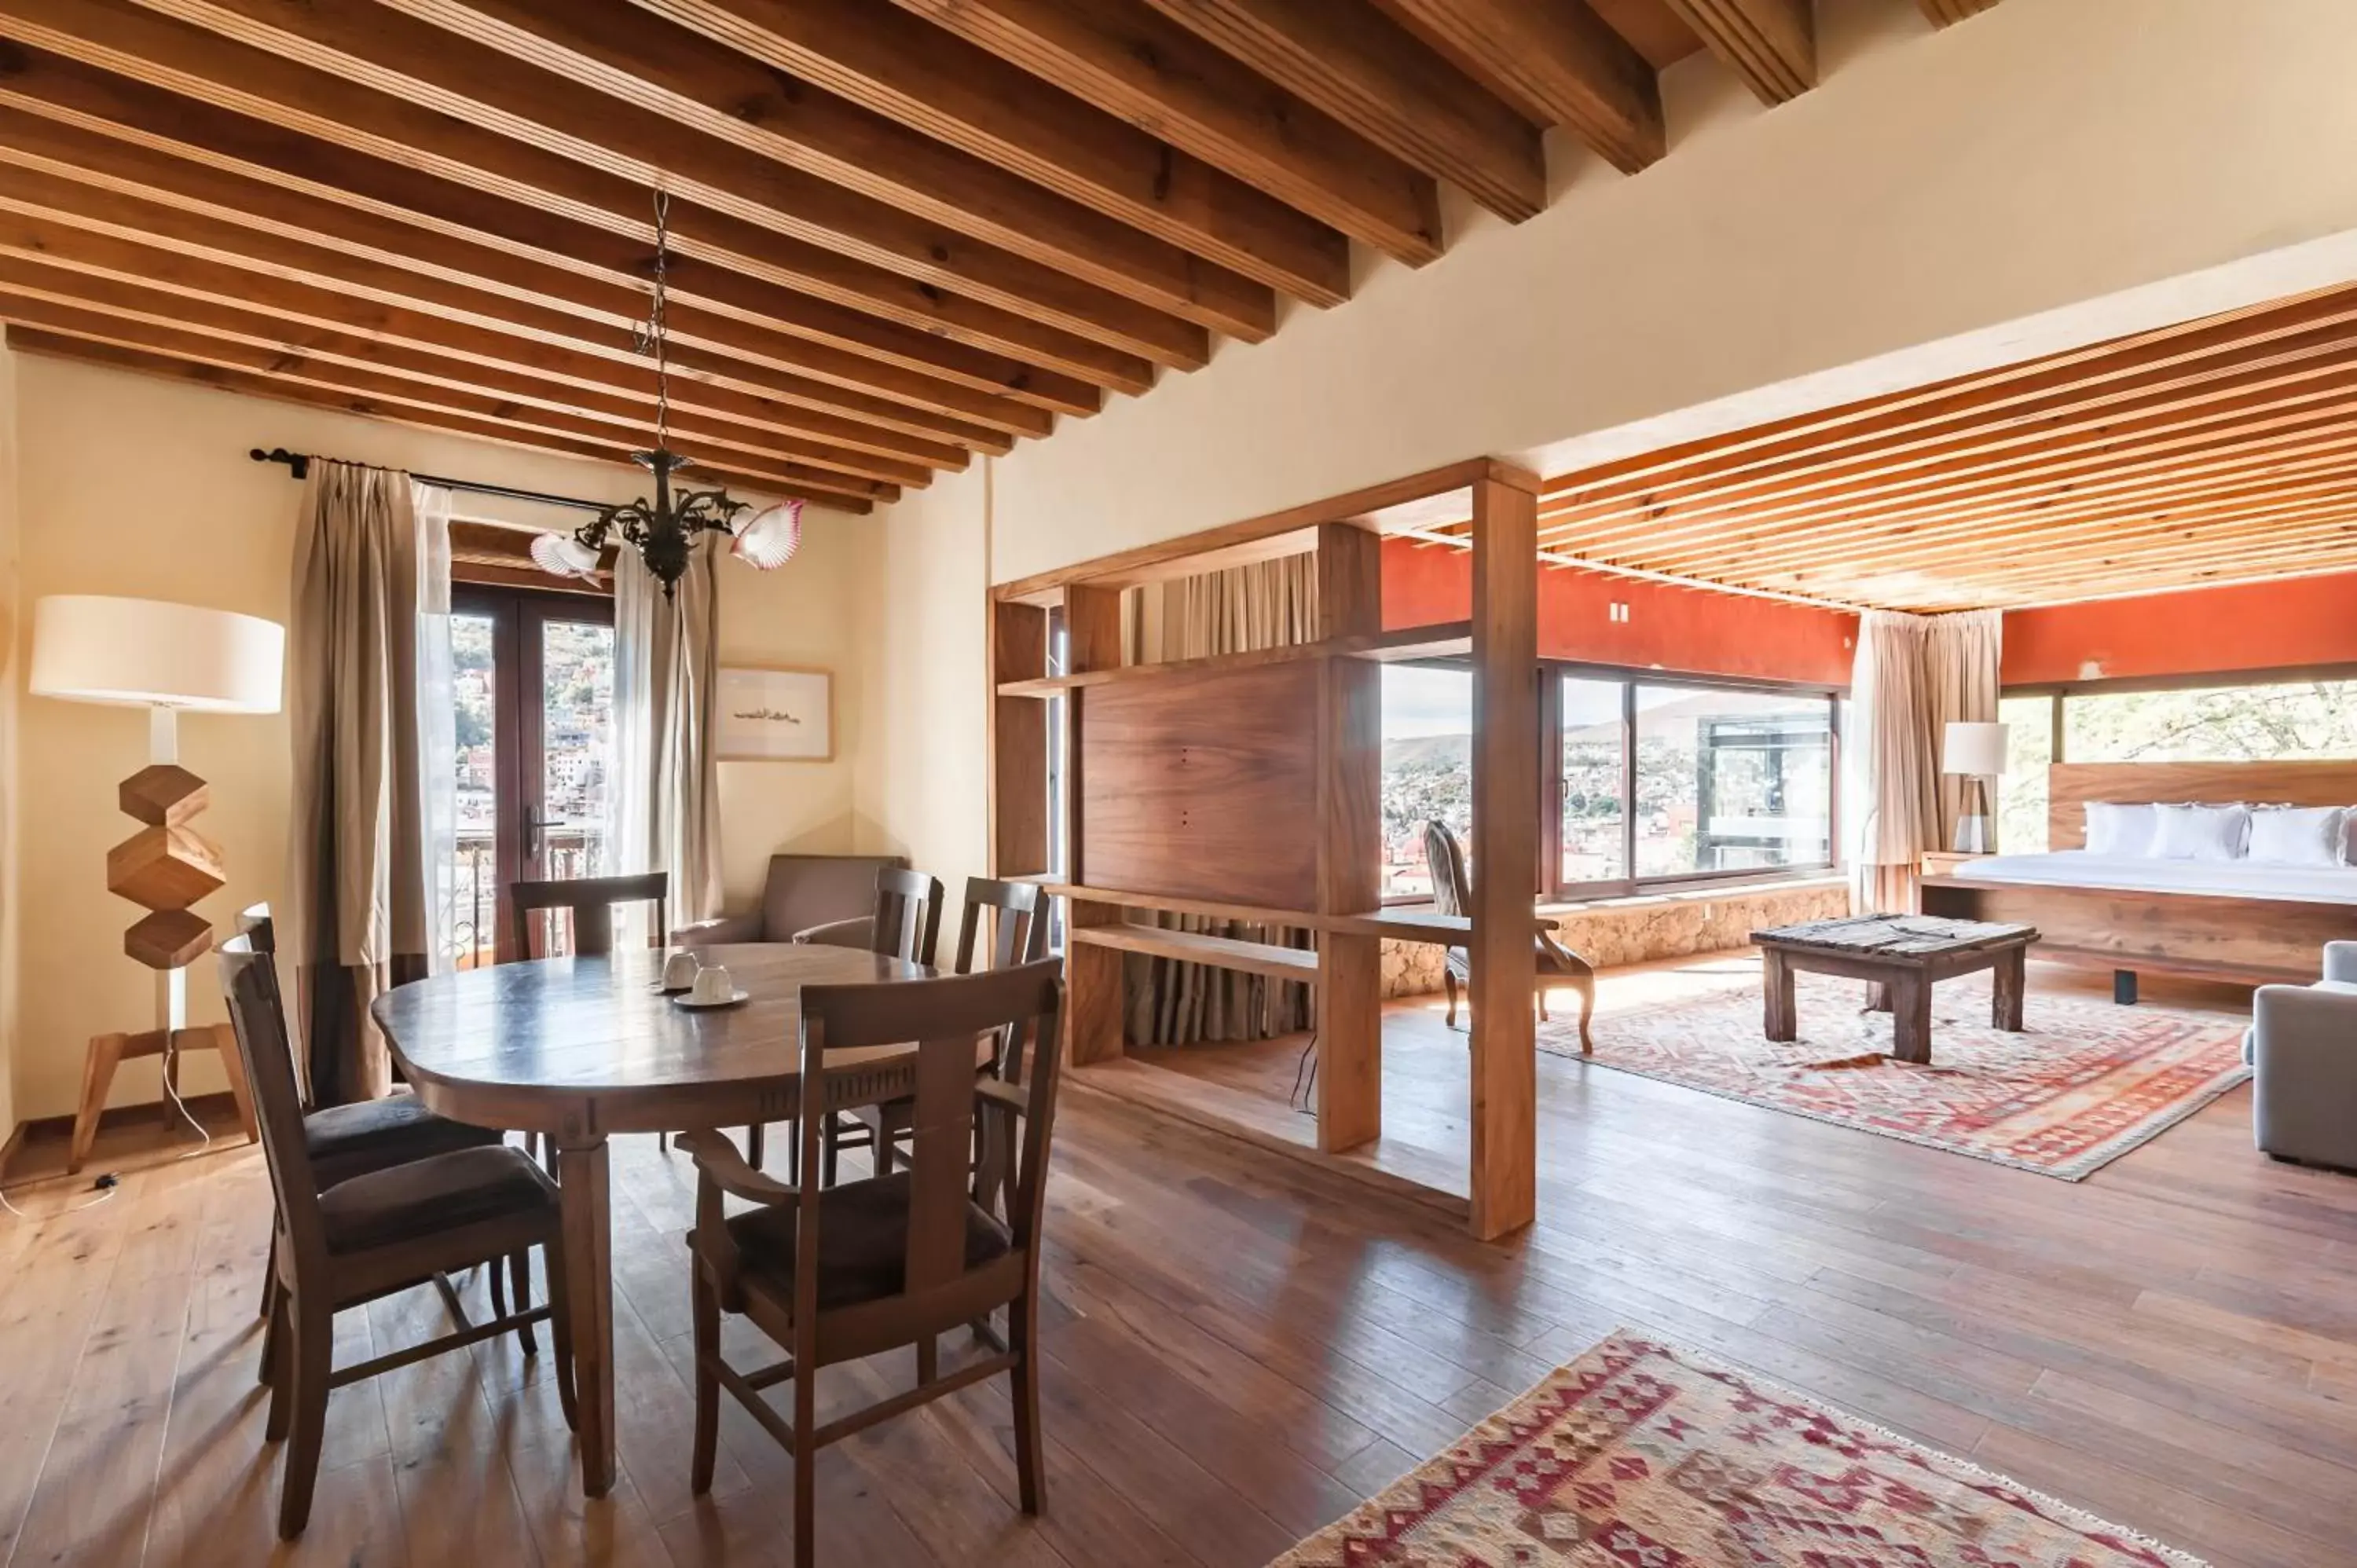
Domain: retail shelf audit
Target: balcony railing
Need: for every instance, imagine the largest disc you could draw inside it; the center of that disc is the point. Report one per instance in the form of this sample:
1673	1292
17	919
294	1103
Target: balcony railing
470	889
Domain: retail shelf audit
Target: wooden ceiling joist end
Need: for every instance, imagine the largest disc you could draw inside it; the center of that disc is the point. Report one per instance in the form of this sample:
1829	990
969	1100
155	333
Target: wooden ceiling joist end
1948	12
1770	44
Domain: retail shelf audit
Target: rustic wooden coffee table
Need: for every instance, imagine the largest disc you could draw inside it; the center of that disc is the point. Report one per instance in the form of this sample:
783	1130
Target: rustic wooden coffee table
1899	957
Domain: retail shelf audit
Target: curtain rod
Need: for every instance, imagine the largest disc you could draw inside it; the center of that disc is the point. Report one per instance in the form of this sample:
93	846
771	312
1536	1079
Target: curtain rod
299	465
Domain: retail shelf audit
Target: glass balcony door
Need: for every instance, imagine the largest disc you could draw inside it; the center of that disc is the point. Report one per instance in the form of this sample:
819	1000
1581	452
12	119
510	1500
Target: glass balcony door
532	678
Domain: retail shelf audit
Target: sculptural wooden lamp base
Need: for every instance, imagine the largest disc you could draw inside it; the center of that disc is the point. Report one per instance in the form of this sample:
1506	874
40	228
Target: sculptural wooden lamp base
164	657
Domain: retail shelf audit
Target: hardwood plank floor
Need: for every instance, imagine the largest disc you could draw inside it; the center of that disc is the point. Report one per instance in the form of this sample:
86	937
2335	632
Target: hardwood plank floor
1239	1346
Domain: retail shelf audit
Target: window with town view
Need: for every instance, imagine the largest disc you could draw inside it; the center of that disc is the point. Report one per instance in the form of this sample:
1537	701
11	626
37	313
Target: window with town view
2250	723
537	807
1725	780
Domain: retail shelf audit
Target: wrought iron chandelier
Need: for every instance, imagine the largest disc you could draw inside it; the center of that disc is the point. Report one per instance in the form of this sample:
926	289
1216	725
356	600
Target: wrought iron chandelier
664	531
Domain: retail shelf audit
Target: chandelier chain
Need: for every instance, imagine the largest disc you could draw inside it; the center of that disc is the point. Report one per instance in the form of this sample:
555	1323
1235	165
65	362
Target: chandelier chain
655	325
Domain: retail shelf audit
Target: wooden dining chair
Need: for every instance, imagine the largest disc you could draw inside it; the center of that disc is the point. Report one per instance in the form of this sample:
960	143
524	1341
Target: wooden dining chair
370	1236
838	1273
346	1141
905	925
1018	935
590	901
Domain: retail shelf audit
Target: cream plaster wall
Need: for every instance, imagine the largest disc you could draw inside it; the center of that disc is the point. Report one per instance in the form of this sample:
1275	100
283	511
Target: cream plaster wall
923	776
2051	172
141	486
10	610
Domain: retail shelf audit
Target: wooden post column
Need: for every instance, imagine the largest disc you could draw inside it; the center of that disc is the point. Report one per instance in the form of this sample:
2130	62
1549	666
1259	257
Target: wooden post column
1349	842
1505	827
1093	982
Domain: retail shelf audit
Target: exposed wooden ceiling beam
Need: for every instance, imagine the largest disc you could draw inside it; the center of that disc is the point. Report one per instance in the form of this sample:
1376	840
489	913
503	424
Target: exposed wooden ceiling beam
2276	383
2166	356
702	338
36	342
690	436
557	379
1557	61
1137	64
1947	12
151	120
28	141
1373	75
2097	449
1770	44
1122	211
524	334
871	252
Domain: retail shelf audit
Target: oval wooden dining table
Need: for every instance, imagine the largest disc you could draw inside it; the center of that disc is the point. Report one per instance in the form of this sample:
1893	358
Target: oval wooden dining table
577	1049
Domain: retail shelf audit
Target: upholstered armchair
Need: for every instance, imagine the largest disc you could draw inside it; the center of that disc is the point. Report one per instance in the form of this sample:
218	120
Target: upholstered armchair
804	893
2303	1049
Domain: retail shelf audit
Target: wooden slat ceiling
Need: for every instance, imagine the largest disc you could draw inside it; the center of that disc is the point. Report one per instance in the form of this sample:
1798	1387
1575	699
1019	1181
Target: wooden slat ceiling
903	233
2220	450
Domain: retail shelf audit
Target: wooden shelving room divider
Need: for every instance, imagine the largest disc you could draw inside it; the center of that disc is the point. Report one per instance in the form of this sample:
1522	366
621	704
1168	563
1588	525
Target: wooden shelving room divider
1246	787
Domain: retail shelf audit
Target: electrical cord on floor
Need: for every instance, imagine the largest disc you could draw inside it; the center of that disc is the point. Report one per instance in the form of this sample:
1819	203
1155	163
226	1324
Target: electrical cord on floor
109	1184
1299	1098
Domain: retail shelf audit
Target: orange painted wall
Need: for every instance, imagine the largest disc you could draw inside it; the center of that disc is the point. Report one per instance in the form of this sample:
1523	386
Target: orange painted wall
2247	626
1689	630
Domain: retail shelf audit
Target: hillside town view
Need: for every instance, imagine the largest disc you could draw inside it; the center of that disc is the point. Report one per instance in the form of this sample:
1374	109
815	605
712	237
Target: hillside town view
576	731
1725	780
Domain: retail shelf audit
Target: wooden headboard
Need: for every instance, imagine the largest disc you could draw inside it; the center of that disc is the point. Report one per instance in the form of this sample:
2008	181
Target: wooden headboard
2071	784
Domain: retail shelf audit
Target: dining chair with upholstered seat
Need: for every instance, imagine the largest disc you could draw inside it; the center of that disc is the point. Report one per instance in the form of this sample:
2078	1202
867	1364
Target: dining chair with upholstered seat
1018	935
346	1141
369	1236
906	924
839	1273
1452	894
590	901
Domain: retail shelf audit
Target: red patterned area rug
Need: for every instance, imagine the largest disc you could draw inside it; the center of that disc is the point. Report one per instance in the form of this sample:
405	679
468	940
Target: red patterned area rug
1641	1455
2085	1083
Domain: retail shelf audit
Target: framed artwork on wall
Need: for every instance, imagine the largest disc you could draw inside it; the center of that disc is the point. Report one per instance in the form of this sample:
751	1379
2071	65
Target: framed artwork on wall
775	715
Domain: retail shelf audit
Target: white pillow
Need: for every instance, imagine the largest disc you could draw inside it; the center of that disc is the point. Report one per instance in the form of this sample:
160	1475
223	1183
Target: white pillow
2201	833
2115	829
2298	835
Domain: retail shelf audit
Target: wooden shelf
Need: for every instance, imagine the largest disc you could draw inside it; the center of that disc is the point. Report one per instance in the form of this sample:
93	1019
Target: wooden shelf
1446	639
1412	924
1197	947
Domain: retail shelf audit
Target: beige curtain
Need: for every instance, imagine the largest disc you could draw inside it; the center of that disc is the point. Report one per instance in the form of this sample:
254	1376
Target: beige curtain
1913	674
358	921
1268	603
666	801
1960	676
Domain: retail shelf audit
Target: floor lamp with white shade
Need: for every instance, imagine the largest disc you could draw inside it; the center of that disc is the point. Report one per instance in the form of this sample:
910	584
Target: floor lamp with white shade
168	659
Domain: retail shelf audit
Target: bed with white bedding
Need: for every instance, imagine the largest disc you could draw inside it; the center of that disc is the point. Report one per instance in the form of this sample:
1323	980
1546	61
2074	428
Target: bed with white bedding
2217	915
2136	873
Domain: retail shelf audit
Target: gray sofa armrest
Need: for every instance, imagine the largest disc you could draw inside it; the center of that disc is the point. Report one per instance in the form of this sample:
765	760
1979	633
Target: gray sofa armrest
2304	1052
2340	962
858	932
712	933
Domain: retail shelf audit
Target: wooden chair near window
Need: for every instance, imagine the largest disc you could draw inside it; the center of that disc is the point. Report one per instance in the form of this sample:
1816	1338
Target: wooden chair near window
837	1274
907	924
369	1236
1452	894
1018	935
345	1140
590	901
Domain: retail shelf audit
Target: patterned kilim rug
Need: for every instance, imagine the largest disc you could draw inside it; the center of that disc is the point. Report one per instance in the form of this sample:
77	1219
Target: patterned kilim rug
1641	1455
2085	1083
